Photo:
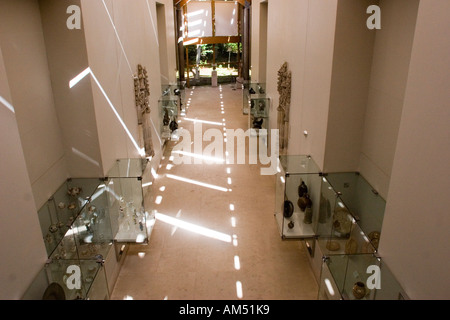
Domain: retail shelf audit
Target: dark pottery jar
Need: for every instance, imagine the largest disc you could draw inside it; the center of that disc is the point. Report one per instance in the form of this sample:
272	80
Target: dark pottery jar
302	189
291	225
359	290
288	209
304	202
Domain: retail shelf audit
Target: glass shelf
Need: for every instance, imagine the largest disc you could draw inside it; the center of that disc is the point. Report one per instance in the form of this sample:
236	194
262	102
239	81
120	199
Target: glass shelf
176	92
84	219
252	91
340	274
61	210
130	222
56	281
355	223
297	208
168	114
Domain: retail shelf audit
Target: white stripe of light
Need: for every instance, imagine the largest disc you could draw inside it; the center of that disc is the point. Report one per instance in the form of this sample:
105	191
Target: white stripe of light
7	104
193	228
206	185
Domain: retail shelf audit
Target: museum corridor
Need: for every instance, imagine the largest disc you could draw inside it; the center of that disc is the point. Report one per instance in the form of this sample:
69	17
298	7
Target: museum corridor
208	244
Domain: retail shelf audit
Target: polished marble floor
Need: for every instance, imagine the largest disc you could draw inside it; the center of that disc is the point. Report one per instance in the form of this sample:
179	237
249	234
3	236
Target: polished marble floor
216	237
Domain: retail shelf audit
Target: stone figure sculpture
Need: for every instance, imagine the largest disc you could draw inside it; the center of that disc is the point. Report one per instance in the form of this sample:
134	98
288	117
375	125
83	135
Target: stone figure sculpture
142	94
284	90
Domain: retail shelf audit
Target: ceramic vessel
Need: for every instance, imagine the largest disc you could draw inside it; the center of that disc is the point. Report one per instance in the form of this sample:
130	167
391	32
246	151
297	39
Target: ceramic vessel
302	189
291	225
351	246
304	202
333	245
288	209
359	290
308	216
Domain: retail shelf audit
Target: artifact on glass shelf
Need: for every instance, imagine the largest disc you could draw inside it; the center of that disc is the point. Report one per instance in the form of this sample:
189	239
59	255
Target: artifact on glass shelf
288	209
74	192
173	125
359	290
308	215
351	246
261	105
324	210
374	238
258	123
302	189
54	292
252	91
291	225
59	223
342	223
284	90
333	245
72	206
142	94
53	226
304	202
166	120
48	238
62	205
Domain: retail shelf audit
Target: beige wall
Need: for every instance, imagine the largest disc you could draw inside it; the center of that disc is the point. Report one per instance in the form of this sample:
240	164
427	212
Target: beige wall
25	57
352	62
392	53
51	120
22	251
136	24
305	40
67	57
415	232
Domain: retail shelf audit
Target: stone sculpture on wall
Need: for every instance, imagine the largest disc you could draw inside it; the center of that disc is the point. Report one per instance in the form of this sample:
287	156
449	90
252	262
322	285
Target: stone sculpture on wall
142	94
284	90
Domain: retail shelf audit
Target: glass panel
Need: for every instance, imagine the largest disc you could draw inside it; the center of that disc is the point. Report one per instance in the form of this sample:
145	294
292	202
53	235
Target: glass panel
328	289
362	200
355	287
298	209
168	113
252	91
128	168
129	220
356	278
299	165
280	197
337	265
59	272
58	214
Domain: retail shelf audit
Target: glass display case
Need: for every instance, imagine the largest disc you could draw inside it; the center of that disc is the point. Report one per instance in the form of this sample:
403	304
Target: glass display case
61	210
168	112
84	220
259	113
69	280
358	277
298	191
252	90
178	92
130	222
354	225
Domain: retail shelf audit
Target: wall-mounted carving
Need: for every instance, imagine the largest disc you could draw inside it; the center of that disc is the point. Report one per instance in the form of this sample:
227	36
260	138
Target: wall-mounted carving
284	89
142	94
